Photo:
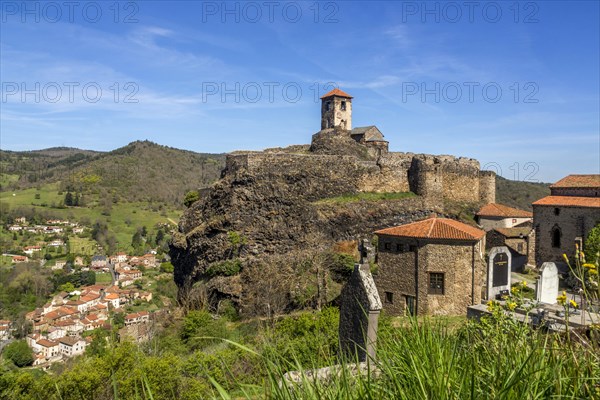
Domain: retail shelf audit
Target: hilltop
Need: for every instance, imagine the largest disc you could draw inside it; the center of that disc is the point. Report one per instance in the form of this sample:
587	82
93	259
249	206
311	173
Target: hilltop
140	171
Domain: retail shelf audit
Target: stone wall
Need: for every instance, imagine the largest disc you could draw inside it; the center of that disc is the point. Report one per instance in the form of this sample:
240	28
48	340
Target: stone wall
434	177
579	192
403	270
488	223
487	187
573	222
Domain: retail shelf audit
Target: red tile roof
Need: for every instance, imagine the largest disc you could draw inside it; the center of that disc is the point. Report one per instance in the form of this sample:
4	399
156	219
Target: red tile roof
578	181
46	343
435	228
500	210
569	201
336	92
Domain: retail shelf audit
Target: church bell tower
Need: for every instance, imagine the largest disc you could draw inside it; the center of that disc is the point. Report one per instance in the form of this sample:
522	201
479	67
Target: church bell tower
336	110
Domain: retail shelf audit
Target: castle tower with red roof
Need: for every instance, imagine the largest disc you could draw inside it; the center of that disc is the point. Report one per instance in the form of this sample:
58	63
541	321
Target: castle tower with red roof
336	110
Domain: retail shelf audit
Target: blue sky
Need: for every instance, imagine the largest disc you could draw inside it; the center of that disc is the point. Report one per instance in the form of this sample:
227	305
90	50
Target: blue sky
515	85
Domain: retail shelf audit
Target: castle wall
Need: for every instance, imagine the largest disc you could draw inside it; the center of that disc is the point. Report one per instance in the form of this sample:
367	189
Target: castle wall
433	177
487	187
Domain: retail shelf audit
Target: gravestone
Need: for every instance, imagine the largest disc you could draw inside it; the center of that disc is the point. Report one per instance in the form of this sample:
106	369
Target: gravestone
367	251
359	315
547	284
498	276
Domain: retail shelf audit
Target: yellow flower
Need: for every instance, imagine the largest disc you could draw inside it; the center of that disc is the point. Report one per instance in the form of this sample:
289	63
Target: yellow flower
511	305
588	265
593	271
573	303
524	283
565	257
576	246
514	290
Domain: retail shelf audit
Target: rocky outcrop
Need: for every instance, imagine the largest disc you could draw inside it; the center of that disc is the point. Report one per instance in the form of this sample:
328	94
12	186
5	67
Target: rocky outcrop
271	203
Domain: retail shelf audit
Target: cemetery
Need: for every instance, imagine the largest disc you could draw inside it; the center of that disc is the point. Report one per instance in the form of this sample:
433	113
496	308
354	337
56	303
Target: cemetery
551	310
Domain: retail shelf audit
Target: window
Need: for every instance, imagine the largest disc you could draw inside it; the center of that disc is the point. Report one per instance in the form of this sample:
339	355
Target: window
556	234
412	248
389	297
514	221
399	247
387	246
436	283
328	105
557	211
343	106
410	304
520	247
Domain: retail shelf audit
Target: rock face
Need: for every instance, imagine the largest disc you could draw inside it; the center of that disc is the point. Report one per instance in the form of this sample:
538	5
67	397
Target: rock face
272	203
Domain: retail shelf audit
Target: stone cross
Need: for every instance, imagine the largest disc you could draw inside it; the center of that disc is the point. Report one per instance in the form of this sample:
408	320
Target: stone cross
547	284
498	275
359	315
367	251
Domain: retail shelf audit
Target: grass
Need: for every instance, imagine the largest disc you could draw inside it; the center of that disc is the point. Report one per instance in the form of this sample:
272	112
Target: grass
366	196
123	220
82	246
103	278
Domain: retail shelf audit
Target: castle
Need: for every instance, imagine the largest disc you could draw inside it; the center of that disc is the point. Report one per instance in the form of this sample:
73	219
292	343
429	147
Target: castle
364	154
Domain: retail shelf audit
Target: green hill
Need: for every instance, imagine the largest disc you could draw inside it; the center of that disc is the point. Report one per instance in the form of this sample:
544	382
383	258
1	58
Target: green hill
140	171
519	194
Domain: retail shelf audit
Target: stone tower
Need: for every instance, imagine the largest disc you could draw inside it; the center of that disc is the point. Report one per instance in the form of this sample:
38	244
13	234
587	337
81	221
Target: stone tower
487	187
336	110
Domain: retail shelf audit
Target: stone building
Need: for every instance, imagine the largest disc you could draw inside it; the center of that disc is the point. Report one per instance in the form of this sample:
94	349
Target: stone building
519	240
565	217
494	215
433	267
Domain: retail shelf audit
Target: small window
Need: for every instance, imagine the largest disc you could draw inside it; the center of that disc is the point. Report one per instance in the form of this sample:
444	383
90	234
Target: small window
387	246
436	283
399	247
343	106
556	234
520	247
557	211
328	105
389	297
412	248
514	221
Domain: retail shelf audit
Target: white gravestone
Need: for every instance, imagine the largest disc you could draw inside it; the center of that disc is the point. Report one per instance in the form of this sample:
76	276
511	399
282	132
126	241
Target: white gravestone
547	284
499	267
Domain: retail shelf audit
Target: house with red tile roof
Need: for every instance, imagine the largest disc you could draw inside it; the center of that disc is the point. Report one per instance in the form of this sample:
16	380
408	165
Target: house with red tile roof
71	346
137	318
566	217
430	267
494	215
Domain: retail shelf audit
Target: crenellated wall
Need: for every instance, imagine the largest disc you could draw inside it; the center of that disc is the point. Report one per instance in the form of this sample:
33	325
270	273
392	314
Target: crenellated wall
436	177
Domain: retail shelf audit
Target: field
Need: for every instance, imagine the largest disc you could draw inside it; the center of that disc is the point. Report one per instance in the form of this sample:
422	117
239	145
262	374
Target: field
123	218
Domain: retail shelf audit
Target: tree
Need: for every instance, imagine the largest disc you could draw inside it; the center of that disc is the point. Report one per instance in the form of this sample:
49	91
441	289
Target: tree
592	245
68	199
19	353
191	197
136	240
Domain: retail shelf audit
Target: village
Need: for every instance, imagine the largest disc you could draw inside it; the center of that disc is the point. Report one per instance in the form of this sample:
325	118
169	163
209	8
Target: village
62	327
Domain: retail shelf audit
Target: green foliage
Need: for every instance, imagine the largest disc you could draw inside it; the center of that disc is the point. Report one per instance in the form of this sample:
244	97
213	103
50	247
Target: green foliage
67	287
592	245
167	267
341	263
225	268
191	197
201	330
19	353
308	339
366	196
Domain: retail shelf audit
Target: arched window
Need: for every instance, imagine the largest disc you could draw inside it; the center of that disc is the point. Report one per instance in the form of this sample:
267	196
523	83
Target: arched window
556	234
